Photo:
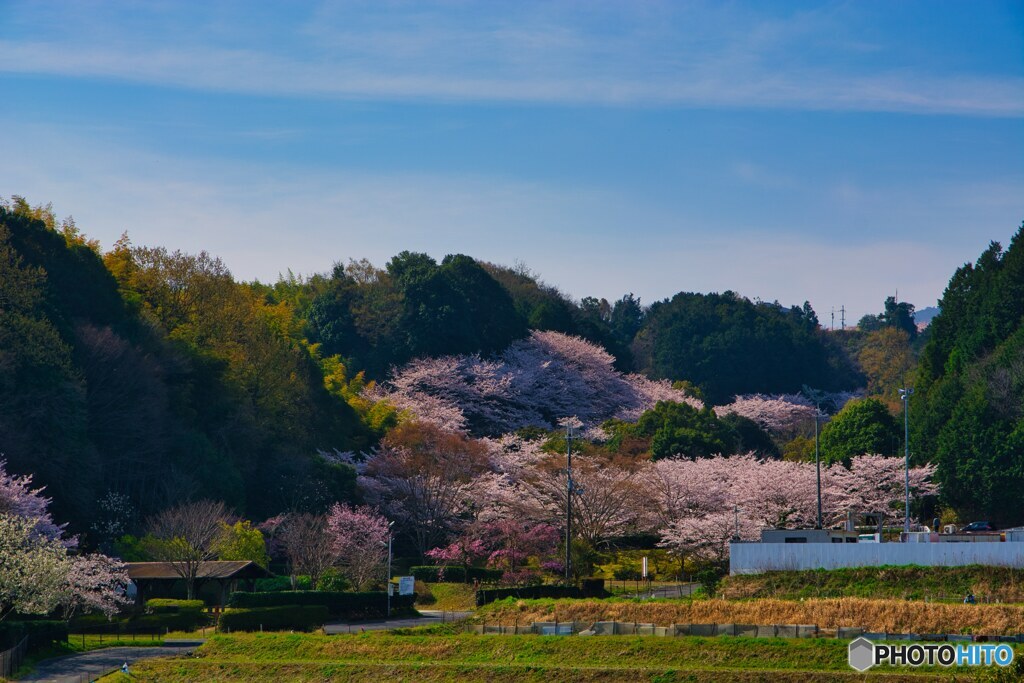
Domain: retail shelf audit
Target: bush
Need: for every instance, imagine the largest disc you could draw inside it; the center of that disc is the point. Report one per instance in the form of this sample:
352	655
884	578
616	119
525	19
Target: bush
169	606
367	605
283	583
709	580
285	618
455	574
333	580
424	596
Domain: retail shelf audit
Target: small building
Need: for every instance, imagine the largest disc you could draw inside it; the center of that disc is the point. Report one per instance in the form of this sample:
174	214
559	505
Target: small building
808	536
162	580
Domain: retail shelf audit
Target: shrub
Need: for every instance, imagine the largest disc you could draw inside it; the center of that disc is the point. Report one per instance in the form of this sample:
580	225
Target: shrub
349	605
424	596
283	583
484	597
333	580
285	618
169	606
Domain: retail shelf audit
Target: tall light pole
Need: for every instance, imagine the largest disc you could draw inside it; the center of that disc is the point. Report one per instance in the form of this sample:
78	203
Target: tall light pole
817	461
905	395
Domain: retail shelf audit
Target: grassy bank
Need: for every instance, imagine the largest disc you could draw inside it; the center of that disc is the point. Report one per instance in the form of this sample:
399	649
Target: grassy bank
455	597
1000	584
379	656
896	616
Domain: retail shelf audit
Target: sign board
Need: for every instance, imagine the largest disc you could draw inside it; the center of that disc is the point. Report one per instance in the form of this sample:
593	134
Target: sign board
406	585
391	588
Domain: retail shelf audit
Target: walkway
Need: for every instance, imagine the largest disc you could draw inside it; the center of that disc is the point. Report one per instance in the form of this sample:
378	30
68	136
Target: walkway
88	666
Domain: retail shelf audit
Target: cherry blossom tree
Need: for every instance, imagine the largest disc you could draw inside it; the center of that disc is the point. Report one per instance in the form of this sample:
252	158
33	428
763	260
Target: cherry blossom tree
361	540
689	496
463	551
33	567
95	583
531	384
18	498
605	504
309	544
512	541
704	539
776	414
422	476
875	483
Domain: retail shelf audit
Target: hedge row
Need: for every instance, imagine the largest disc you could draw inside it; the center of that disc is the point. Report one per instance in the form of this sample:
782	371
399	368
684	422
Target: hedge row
40	632
287	618
338	604
169	606
141	623
592	588
454	574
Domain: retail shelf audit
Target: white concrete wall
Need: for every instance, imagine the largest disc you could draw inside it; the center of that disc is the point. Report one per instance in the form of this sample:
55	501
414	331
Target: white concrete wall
752	558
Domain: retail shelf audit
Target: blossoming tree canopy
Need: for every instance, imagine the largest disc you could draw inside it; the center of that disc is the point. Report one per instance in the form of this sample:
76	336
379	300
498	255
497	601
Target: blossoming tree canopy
533	383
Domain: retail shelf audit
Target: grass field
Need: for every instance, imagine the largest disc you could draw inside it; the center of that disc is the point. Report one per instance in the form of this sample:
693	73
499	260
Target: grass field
1000	584
894	616
455	597
463	657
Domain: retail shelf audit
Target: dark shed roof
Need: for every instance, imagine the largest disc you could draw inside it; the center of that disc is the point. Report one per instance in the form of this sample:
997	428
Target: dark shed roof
214	569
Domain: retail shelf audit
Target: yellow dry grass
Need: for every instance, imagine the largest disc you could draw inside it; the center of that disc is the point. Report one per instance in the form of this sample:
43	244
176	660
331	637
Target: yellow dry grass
894	616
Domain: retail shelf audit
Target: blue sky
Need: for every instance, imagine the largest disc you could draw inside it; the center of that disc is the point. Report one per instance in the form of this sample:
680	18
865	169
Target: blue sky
835	152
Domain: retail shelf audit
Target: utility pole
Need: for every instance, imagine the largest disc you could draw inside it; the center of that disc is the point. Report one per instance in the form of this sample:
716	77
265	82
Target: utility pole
905	395
388	586
817	461
569	490
842	311
833	318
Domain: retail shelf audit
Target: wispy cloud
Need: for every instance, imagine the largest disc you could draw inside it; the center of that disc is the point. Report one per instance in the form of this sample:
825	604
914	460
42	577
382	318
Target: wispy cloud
631	55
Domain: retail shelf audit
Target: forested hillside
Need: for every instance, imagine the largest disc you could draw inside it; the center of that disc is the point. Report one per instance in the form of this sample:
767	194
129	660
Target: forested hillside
969	407
141	377
156	376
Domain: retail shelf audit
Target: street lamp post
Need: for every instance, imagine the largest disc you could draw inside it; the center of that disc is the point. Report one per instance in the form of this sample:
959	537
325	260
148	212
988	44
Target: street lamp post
905	395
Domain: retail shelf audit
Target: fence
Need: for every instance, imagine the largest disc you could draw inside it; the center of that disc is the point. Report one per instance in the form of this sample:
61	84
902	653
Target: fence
631	628
754	558
10	660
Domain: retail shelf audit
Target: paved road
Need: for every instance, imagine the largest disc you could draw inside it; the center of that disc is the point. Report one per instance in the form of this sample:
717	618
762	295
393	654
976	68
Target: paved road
677	591
428	618
88	666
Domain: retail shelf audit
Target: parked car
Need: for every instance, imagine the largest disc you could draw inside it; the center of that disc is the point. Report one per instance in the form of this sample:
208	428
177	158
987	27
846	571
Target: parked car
978	526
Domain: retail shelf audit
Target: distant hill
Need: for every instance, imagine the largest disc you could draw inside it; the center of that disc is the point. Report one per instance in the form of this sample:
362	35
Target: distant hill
925	315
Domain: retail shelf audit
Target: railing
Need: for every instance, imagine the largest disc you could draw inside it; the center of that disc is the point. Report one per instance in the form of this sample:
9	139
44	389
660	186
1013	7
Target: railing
10	660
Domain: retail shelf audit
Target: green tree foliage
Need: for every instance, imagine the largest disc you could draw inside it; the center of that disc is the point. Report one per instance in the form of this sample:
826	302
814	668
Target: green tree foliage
678	429
729	345
887	360
240	541
861	427
167	382
967	414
